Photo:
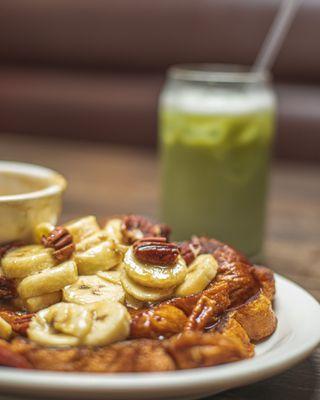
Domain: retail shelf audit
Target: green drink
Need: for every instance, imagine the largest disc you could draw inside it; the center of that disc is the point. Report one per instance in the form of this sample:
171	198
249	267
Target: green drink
215	148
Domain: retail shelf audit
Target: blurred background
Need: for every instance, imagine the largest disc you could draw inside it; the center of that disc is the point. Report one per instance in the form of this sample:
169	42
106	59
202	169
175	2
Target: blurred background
93	69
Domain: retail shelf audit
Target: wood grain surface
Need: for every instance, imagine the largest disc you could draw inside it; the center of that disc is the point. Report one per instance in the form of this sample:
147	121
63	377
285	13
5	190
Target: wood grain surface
106	180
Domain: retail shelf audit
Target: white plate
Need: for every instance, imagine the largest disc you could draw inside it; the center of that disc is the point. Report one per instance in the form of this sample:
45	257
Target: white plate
297	334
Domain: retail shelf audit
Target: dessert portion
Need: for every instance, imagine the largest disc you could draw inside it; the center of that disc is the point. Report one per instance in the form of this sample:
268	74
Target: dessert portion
123	298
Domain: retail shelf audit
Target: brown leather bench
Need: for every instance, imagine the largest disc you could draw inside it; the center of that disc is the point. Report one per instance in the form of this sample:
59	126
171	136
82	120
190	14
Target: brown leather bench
93	69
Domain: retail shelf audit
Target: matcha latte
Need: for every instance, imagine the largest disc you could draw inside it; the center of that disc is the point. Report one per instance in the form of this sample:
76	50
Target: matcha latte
215	145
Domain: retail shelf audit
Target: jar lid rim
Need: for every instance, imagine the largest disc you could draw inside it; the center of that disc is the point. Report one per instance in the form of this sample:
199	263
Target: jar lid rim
222	73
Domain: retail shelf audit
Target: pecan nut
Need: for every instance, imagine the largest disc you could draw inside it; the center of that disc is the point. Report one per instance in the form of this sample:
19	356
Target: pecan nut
202	315
196	246
156	251
136	227
61	241
18	321
189	251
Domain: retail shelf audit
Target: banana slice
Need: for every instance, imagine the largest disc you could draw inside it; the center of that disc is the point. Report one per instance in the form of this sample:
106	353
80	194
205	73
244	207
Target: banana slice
101	257
113	229
92	240
133	303
42	229
113	276
5	329
62	324
34	304
154	276
143	293
119	267
26	260
92	289
48	281
66	324
82	228
200	273
70	319
111	323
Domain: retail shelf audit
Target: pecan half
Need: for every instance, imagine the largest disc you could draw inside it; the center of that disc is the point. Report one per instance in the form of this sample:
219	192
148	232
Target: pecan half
156	250
189	251
196	246
135	227
202	314
18	321
61	241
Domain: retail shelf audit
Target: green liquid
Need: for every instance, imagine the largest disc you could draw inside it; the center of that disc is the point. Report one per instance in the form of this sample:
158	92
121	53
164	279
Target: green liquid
214	175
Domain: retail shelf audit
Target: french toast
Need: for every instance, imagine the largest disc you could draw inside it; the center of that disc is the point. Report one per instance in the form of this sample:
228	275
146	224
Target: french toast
161	330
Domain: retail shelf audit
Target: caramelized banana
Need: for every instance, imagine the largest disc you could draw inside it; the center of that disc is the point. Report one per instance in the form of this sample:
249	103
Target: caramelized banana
91	289
48	281
38	303
113	228
92	240
154	276
82	228
41	230
67	324
111	323
62	324
132	303
111	276
26	260
200	273
143	293
103	256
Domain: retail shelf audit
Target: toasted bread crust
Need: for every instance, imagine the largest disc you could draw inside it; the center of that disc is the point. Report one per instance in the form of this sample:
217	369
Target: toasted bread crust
256	317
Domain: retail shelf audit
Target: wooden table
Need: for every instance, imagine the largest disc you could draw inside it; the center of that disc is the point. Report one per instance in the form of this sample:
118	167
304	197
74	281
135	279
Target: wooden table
106	180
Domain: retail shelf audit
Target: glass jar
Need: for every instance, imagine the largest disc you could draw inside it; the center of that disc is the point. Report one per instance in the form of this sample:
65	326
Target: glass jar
216	127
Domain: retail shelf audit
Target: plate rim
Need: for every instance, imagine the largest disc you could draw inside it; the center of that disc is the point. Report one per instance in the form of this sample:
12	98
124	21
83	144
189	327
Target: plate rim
225	376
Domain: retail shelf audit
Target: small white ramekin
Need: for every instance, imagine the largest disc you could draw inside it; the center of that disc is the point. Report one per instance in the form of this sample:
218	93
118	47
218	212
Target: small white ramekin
20	213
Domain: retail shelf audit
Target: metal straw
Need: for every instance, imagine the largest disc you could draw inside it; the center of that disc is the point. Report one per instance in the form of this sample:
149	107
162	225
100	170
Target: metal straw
276	35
